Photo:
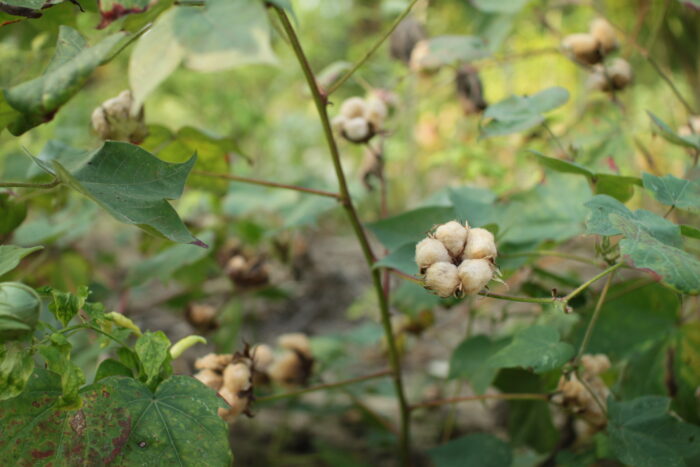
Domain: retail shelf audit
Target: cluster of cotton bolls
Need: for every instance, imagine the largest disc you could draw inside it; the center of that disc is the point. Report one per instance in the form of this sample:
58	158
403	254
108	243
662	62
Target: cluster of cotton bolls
456	259
592	48
360	119
581	398
235	375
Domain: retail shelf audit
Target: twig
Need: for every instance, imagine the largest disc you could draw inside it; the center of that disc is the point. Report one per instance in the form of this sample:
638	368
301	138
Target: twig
556	254
594	319
254	181
41	186
454	400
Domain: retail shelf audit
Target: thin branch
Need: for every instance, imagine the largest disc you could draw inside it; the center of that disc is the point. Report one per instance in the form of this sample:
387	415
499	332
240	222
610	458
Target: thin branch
371	51
586	284
324	387
594	319
510	298
41	186
455	400
555	138
556	254
254	181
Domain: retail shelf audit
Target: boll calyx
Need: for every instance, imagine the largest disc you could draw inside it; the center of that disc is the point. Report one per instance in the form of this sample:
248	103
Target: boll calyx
19	311
116	119
456	259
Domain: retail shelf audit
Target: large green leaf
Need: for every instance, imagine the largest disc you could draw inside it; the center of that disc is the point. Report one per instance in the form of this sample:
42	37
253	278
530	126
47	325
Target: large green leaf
477	450
452	50
133	186
16	366
152	349
518	113
469	361
402	259
39	99
34	432
57	353
675	267
177	424
220	35
475	205
537	347
690	141
11	255
674	191
644	434
114	9
410	226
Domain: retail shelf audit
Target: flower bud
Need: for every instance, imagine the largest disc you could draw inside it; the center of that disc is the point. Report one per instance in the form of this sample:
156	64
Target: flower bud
19	311
185	343
357	130
237	377
295	341
210	378
353	107
442	279
430	251
604	33
474	275
620	72
582	47
453	236
480	244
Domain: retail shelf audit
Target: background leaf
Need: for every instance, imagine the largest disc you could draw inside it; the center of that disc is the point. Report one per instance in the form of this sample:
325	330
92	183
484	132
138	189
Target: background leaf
16	366
11	255
673	191
519	113
477	450
537	347
469	361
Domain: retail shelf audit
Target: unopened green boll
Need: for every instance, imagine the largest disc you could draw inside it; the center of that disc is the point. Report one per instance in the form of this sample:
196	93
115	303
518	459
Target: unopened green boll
480	244
442	279
430	251
475	274
454	236
19	311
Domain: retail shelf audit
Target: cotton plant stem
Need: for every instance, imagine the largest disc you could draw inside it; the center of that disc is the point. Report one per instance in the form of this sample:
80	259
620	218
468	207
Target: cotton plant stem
595	278
324	387
255	181
455	400
594	319
321	101
556	254
40	186
371	51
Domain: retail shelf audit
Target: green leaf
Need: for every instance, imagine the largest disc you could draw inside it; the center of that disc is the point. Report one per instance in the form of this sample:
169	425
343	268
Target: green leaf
477	450
152	349
537	347
220	35
452	51
16	366
675	267
175	425
468	361
644	434
410	226
111	10
560	165
690	231
402	258
11	255
672	191
73	63
66	305
475	205
110	367
691	141
166	263
35	432
12	214
518	113
133	186
57	354
501	6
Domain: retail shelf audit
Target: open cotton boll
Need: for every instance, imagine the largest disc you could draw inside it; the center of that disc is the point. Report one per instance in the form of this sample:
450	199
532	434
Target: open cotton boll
474	274
453	236
583	47
262	356
480	244
295	341
356	129
442	279
353	107
338	123
237	377
287	369
210	378
213	361
604	33
430	251
376	112
595	364
620	72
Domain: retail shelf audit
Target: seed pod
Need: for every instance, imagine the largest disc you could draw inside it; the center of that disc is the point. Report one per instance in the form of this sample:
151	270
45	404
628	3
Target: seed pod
213	361
237	377
353	107
210	378
376	112
19	311
583	48
404	38
442	279
480	244
620	72
475	274
295	341
430	251
470	90
357	130
604	33
453	236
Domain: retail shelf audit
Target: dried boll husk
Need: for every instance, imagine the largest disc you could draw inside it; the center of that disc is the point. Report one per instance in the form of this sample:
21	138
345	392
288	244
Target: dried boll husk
475	274
357	130
442	279
211	378
480	244
454	236
604	33
430	251
213	361
470	90
582	47
237	377
295	341
620	73
353	107
404	38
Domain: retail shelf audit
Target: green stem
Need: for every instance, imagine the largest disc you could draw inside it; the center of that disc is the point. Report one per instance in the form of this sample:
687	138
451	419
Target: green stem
510	298
558	254
594	319
346	200
371	51
595	278
254	181
41	186
555	138
324	387
454	400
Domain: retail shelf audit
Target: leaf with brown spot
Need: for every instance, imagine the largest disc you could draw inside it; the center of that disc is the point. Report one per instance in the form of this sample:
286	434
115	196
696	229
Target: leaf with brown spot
112	10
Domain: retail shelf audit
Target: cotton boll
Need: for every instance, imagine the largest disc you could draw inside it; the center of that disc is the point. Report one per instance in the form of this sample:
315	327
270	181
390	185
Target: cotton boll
262	356
238	405
237	377
353	107
604	33
453	236
474	274
213	361
287	369
338	123
376	112
598	81
430	251
419	56
357	129
295	341
620	72
595	364
583	47
480	244
442	279
210	378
